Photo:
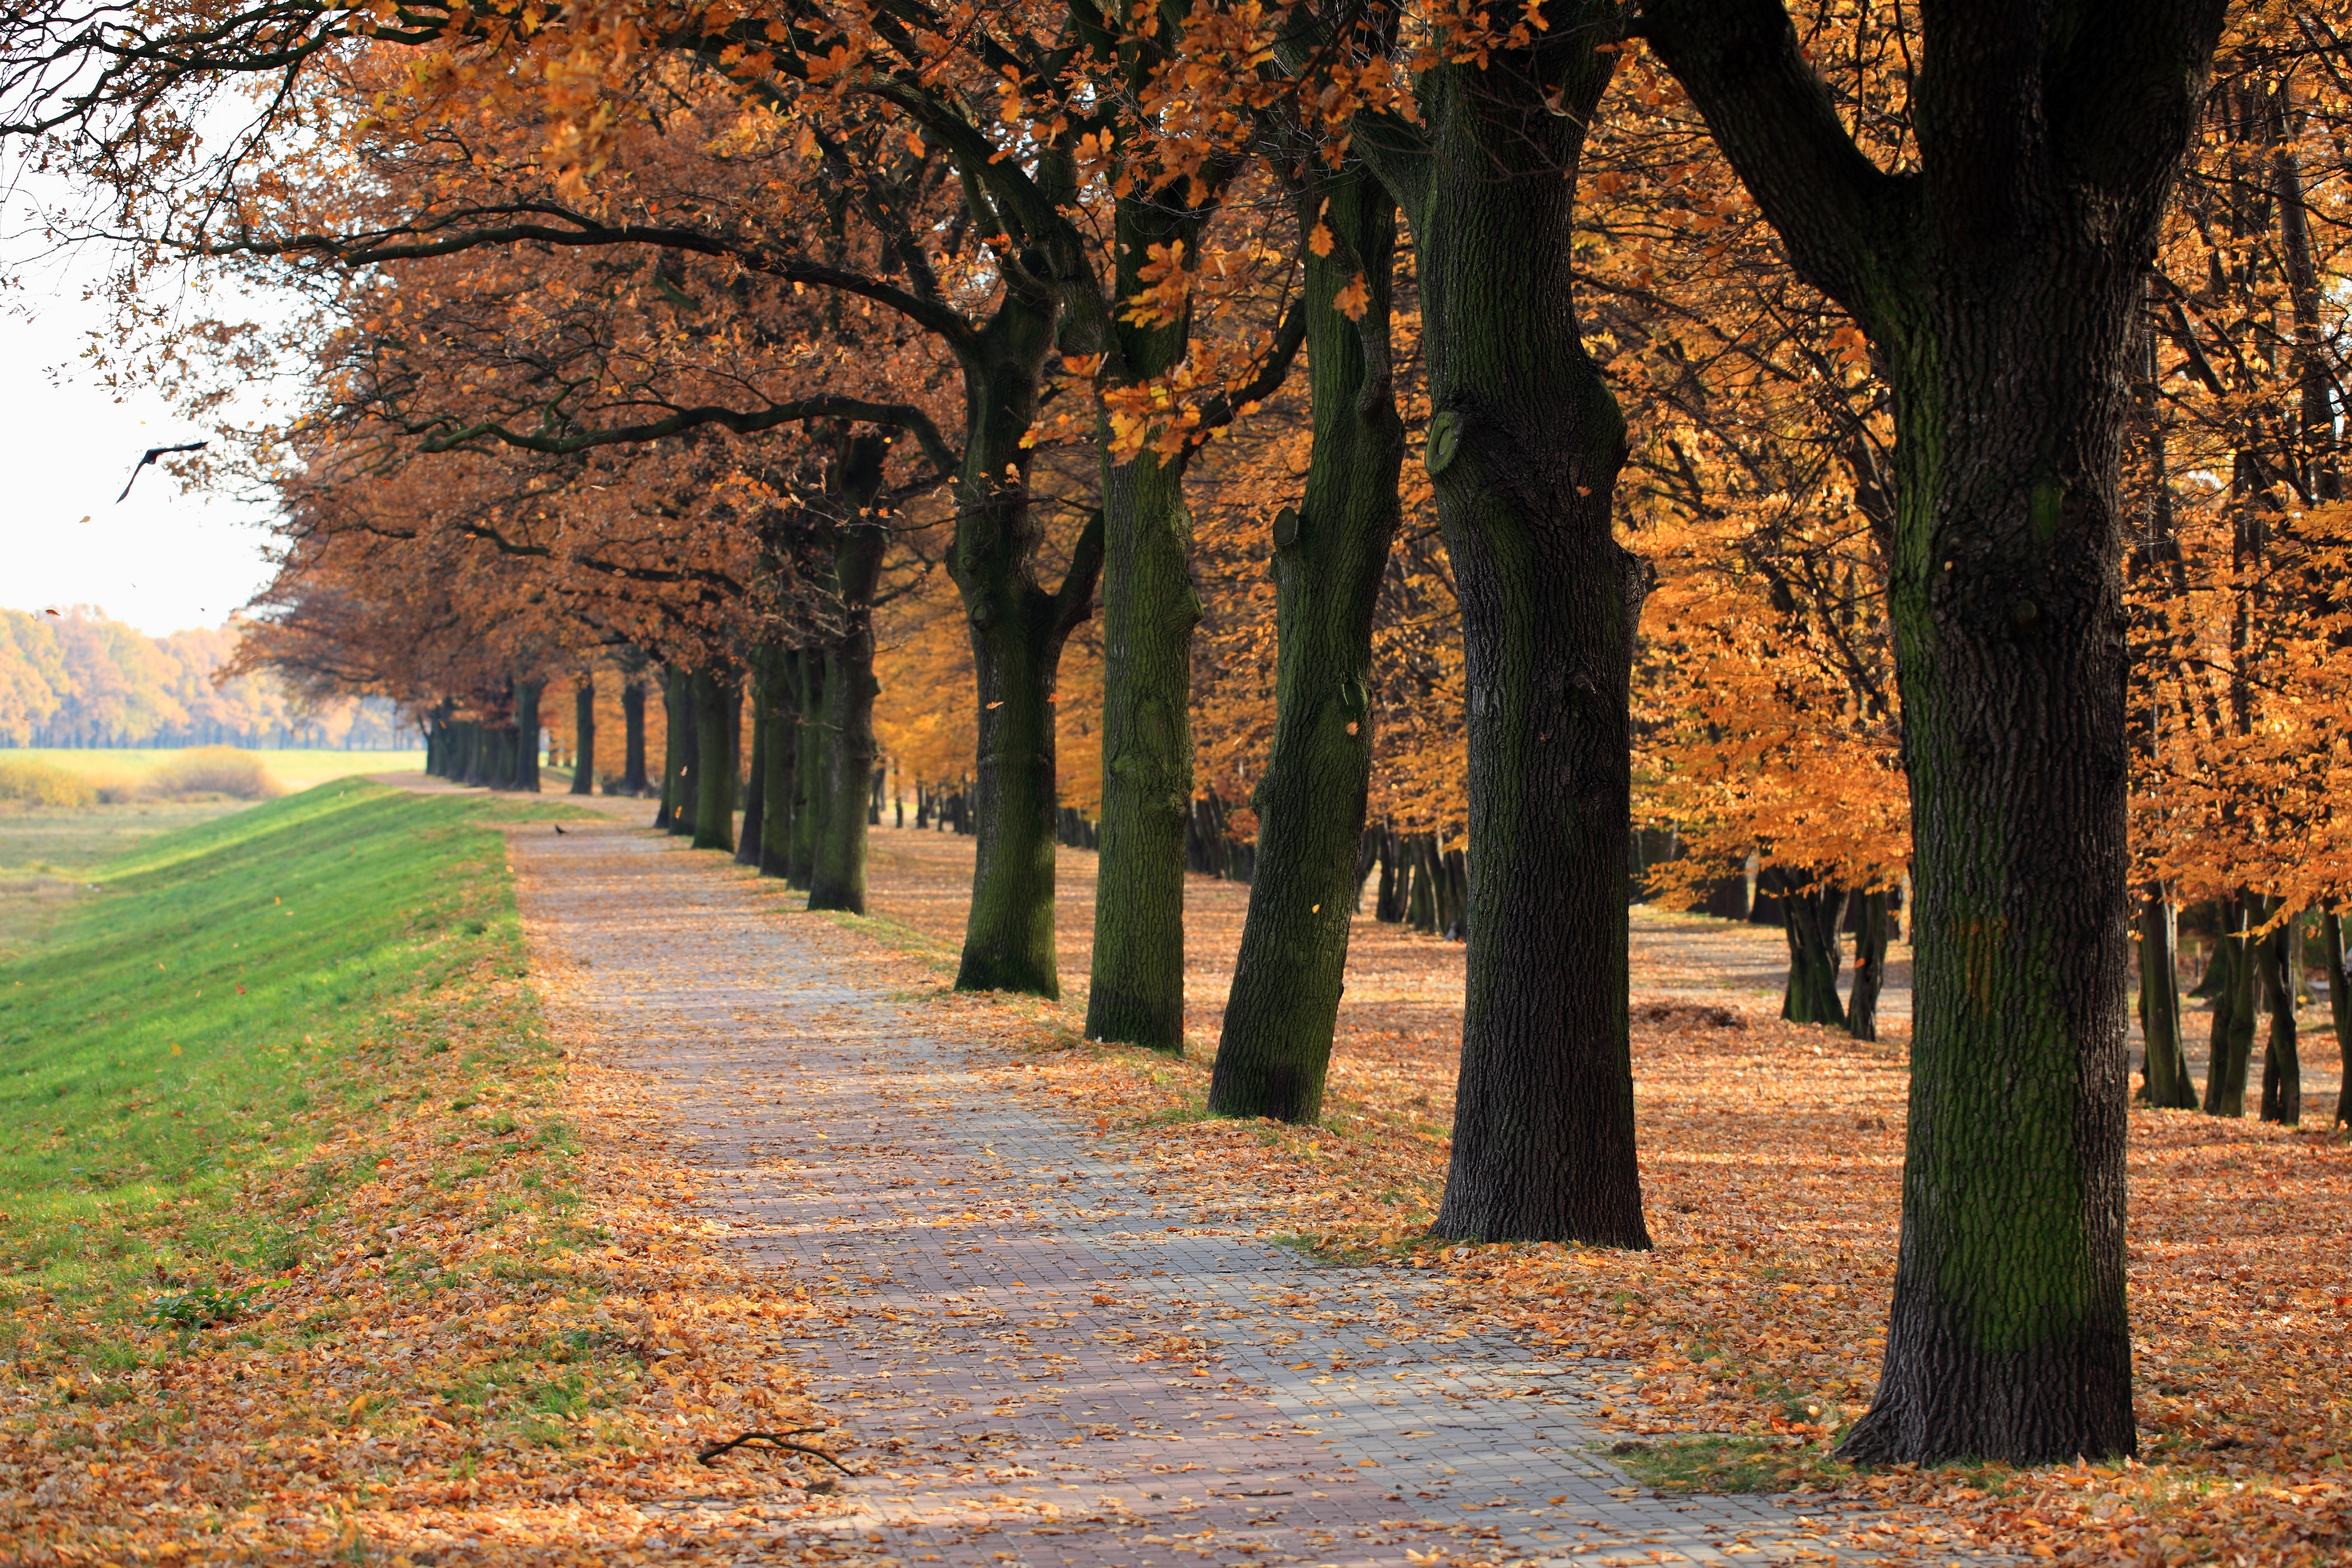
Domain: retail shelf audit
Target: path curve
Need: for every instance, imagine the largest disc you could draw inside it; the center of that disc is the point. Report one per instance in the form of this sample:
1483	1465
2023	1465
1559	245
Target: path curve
998	1278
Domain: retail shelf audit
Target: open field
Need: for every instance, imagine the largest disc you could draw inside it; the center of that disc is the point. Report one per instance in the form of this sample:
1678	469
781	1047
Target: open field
293	769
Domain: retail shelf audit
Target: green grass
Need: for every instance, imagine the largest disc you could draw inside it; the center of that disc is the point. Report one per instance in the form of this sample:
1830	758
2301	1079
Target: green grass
1726	1465
184	1027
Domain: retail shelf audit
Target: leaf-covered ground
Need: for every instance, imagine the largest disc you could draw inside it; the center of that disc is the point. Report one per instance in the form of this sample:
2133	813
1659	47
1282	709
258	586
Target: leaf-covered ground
1773	1159
313	1248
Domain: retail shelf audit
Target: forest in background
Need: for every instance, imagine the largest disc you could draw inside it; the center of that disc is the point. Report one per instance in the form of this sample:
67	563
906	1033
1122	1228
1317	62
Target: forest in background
74	677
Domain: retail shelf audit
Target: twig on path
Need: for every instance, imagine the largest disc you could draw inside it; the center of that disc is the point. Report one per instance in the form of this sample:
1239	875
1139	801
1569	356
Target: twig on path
776	1440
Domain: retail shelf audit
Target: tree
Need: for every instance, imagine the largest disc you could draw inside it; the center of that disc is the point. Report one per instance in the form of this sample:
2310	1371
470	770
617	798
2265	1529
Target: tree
1998	279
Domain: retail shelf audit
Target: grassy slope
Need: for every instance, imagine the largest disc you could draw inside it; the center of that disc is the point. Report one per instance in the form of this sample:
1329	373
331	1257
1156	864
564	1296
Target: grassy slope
180	1025
342	1278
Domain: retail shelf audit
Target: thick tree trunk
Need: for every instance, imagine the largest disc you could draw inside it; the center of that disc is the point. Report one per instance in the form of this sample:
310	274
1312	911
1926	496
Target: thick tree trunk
2168	1085
1525	444
1329	556
1136	993
812	768
780	700
715	701
632	725
2000	285
2279	957
687	778
1869	965
583	732
839	878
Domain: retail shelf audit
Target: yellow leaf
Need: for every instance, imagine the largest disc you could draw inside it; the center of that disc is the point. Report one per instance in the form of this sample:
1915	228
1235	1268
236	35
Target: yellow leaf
1320	241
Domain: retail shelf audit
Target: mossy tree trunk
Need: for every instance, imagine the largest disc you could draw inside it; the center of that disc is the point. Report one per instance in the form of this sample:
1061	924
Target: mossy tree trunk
584	734
2168	1086
1135	989
2000	285
714	699
837	881
1525	444
1018	629
1329	556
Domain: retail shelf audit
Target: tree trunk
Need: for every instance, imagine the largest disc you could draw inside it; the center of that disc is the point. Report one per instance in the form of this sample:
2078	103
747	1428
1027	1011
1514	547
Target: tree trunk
1869	966
839	878
1525	444
748	842
714	700
1018	629
2279	957
1812	916
2340	1007
526	764
633	725
1389	905
2234	1015
583	730
1136	992
2168	1086
686	780
812	768
2000	285
780	699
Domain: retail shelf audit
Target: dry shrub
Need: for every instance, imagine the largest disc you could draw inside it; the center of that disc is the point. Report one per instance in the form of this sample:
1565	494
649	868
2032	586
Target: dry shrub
28	781
113	788
212	770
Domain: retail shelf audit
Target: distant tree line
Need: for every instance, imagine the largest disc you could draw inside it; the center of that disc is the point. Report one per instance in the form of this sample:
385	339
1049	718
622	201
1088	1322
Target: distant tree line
74	677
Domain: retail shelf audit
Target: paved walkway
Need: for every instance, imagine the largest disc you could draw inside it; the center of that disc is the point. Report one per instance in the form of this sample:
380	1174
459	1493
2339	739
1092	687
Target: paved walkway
1046	1361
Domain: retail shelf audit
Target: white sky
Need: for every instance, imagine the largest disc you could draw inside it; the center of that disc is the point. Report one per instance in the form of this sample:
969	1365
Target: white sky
163	559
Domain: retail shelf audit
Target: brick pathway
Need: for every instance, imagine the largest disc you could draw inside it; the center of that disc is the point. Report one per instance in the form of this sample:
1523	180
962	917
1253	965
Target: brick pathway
1048	1361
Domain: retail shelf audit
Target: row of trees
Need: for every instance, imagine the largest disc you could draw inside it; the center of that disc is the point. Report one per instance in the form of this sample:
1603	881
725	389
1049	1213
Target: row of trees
705	334
73	677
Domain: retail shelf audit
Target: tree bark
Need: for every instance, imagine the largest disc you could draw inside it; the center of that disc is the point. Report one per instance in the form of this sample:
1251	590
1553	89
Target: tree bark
1812	916
838	880
2340	1007
1999	286
714	698
2279	957
1525	444
1869	966
583	732
526	761
748	842
633	725
2233	1050
812	768
779	699
1018	629
1330	554
2168	1086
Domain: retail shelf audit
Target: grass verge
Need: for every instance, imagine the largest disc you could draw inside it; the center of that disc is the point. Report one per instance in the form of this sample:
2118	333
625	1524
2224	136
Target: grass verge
304	1248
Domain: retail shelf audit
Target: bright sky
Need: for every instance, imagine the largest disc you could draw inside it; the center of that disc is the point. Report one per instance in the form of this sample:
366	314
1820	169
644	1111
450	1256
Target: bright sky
163	560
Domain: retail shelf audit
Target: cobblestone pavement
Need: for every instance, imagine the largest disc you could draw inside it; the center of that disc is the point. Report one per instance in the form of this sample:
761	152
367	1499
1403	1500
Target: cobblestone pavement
1046	1361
